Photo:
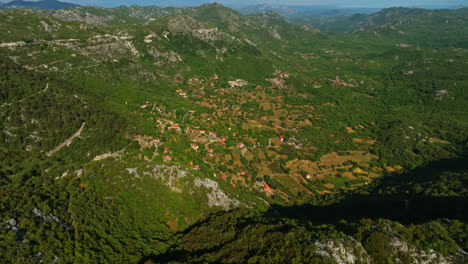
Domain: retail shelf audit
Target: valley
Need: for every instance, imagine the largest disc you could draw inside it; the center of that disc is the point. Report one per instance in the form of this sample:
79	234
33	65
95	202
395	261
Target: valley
139	135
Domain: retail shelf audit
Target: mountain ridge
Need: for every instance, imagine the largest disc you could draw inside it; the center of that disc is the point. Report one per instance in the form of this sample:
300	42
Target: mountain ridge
43	4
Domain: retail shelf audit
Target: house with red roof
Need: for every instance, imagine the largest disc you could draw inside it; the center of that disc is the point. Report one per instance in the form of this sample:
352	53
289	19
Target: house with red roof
281	138
266	187
196	167
223	177
194	146
240	145
241	172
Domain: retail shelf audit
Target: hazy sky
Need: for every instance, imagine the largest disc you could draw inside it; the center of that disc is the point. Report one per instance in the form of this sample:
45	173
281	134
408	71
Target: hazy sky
237	3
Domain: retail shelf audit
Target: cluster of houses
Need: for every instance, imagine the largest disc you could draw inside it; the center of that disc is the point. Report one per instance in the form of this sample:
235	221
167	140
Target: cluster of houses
195	146
182	93
174	126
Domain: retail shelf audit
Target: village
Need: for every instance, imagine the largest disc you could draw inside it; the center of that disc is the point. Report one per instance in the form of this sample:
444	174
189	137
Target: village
247	136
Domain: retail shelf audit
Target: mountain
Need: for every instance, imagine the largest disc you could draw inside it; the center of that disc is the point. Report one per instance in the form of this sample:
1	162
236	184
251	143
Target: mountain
297	12
114	16
43	4
199	134
416	17
284	11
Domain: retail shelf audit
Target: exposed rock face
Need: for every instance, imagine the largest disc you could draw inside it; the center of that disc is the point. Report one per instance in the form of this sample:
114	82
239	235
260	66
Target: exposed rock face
133	171
441	94
417	255
217	197
79	172
162	57
50	27
38	213
169	174
184	24
251	43
350	251
12	225
172	175
342	252
274	34
188	25
277	83
77	15
12	44
310	29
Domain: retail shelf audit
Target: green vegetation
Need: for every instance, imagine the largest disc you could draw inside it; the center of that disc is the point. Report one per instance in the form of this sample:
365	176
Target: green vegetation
202	135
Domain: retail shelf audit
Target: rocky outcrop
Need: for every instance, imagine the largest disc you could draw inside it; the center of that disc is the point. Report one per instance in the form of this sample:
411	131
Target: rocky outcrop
216	197
350	251
76	14
12	225
189	25
342	251
171	177
417	255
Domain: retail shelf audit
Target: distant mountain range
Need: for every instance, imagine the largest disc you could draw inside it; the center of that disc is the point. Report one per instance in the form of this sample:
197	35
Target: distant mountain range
44	4
295	11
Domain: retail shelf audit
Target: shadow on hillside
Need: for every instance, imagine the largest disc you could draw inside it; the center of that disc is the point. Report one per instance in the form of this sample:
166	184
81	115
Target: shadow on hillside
414	210
402	206
426	174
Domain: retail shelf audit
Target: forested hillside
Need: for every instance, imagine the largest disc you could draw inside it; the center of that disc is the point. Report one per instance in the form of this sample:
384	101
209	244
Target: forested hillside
166	135
414	19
